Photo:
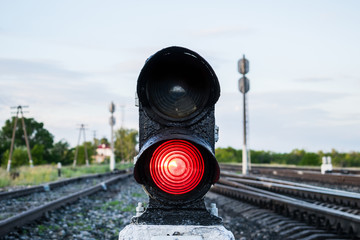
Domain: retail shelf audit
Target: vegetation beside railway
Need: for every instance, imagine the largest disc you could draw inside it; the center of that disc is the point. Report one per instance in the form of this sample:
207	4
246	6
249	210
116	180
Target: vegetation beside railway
44	150
46	173
296	157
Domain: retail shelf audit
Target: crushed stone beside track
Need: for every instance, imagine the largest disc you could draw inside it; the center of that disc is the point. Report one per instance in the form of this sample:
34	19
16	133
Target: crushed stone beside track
104	214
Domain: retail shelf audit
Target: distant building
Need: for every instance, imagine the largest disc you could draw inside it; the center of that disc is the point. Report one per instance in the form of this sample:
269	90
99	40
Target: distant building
102	151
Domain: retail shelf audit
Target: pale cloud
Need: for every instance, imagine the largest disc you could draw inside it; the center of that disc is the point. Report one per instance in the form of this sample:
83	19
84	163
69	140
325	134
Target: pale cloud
26	82
59	97
285	120
314	79
18	68
296	98
224	31
132	67
68	69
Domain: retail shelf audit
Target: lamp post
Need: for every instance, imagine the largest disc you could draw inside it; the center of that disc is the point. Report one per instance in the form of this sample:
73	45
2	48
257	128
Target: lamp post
112	123
244	87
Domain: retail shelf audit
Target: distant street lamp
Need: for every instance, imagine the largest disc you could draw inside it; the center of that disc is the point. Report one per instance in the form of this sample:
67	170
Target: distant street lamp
244	87
112	123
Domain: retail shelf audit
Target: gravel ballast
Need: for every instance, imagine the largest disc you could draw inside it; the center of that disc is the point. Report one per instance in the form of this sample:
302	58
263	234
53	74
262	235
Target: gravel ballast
103	214
99	216
15	205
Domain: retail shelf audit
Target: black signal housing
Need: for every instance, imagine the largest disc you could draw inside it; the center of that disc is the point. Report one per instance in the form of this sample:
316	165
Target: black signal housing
177	91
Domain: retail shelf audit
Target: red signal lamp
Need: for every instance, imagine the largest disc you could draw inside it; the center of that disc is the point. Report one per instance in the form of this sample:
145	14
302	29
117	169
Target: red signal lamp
177	167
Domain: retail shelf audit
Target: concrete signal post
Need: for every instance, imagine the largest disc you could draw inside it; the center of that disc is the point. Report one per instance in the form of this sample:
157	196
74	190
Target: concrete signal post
244	87
112	123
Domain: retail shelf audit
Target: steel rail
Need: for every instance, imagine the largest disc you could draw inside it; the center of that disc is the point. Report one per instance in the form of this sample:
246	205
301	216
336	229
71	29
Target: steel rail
51	185
326	217
273	180
330	178
238	167
19	220
307	191
306	174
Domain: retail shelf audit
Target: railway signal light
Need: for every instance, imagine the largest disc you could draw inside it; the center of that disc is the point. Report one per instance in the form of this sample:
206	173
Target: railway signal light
177	91
244	87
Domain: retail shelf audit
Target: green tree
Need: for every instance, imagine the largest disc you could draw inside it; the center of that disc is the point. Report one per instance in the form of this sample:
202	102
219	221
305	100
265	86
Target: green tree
61	153
295	157
3	148
352	159
104	141
261	157
37	154
338	159
37	135
125	144
81	157
279	158
19	157
310	159
228	154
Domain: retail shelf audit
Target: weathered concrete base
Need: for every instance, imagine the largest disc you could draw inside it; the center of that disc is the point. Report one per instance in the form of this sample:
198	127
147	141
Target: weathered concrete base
175	232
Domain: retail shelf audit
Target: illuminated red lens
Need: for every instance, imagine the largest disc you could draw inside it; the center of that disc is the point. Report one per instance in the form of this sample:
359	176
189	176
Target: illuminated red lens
176	167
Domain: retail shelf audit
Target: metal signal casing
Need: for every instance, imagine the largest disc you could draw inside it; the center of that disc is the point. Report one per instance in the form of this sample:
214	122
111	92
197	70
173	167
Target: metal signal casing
177	91
244	85
243	65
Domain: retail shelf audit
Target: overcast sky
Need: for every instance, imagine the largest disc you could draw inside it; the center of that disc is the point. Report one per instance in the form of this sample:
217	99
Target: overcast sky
68	60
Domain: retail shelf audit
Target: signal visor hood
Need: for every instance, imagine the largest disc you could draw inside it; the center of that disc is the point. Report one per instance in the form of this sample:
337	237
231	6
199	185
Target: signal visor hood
176	84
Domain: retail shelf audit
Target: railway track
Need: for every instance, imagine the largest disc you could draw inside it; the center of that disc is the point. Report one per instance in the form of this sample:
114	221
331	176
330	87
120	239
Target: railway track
255	167
311	193
16	204
298	215
50	186
338	176
331	211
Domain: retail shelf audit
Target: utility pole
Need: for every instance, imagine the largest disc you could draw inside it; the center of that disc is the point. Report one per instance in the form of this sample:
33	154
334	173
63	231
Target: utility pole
122	107
122	130
19	110
95	141
112	123
244	87
82	129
